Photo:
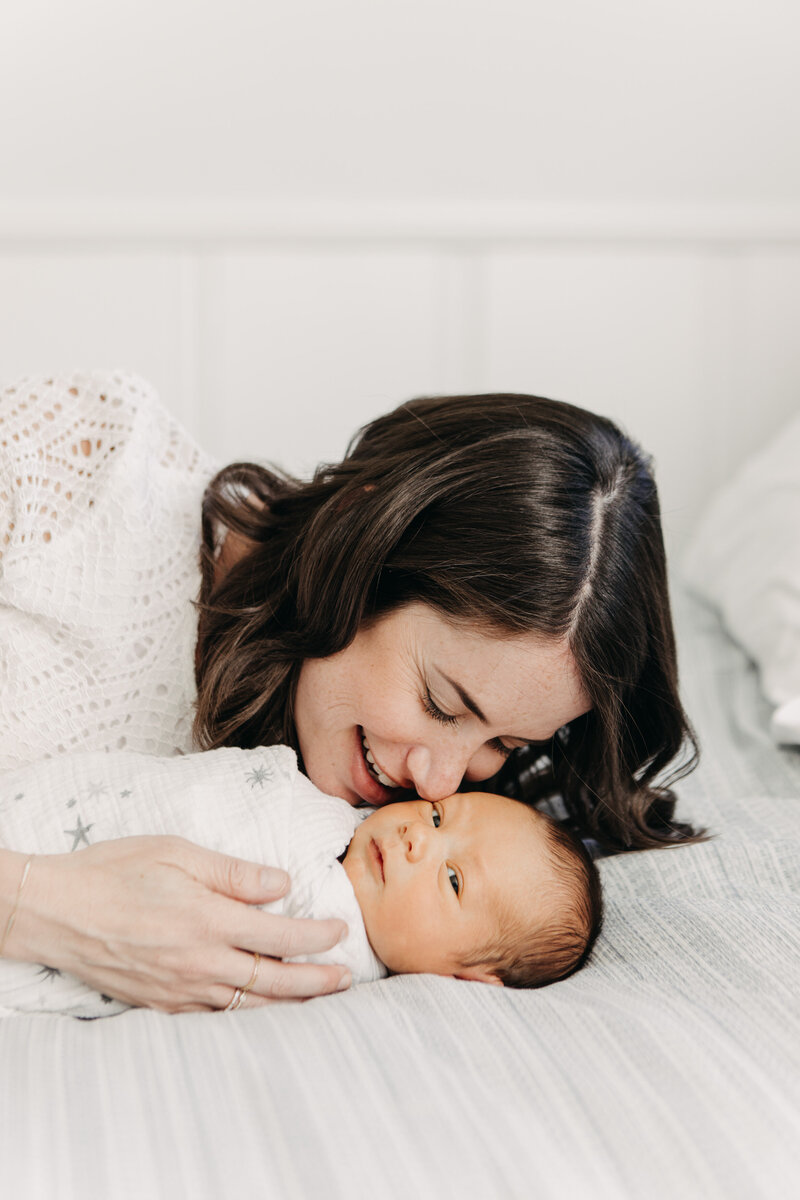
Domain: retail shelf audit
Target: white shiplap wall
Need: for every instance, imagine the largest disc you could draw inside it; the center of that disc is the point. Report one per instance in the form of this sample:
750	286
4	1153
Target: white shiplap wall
276	333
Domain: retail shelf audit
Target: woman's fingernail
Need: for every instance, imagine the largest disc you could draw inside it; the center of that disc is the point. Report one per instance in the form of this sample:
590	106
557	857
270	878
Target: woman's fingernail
274	879
344	982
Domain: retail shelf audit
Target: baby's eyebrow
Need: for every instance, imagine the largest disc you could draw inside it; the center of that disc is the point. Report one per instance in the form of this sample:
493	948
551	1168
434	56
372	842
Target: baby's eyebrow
466	699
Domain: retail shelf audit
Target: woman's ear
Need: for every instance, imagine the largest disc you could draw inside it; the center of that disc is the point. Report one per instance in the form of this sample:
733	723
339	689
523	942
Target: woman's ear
480	975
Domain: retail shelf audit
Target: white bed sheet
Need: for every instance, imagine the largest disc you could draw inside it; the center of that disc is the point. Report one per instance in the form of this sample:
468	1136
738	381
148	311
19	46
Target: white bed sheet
669	1067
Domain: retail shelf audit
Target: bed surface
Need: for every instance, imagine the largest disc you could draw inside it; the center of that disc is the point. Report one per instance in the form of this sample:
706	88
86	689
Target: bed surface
668	1067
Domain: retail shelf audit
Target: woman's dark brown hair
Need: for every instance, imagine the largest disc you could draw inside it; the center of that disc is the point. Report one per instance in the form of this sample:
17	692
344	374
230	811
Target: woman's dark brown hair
517	513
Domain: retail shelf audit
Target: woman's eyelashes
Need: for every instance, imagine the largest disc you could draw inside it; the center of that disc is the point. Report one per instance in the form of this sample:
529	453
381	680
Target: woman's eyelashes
433	710
444	718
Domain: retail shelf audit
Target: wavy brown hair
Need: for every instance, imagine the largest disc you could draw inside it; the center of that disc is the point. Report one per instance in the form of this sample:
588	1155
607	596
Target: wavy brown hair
513	512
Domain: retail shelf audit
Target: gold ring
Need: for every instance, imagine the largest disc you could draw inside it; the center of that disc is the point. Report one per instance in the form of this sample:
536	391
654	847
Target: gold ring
235	1001
254	976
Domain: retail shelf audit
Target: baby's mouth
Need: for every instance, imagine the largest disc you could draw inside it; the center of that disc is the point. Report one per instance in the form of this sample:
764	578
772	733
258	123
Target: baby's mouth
374	770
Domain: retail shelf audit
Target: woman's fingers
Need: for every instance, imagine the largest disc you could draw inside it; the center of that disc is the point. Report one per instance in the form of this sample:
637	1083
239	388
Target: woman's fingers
274	937
299	981
280	937
284	981
285	937
237	878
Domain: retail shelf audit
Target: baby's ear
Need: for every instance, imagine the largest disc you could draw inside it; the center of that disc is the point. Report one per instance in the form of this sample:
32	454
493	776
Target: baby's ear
479	975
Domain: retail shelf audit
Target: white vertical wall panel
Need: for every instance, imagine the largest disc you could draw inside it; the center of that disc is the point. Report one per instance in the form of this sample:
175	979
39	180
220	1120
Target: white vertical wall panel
281	352
461	304
91	308
642	335
301	347
751	357
770	298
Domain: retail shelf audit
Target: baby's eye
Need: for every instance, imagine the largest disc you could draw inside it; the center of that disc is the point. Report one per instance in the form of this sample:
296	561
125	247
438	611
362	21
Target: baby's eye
451	875
436	818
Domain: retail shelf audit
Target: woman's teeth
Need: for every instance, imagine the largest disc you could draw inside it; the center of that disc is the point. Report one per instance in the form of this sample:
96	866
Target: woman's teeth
375	770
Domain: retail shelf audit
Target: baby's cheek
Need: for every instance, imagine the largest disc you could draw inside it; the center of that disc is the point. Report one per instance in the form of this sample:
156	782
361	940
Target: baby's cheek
354	870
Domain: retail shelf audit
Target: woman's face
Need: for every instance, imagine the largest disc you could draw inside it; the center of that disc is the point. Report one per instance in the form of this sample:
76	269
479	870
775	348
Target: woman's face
421	702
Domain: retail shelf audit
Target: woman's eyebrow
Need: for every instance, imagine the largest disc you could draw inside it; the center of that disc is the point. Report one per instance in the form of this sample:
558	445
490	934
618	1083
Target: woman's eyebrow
466	698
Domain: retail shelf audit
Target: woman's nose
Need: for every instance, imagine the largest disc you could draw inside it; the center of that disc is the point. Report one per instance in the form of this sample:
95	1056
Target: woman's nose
435	775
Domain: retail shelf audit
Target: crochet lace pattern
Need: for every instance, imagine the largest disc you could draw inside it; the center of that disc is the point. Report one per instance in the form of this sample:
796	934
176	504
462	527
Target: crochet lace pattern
100	494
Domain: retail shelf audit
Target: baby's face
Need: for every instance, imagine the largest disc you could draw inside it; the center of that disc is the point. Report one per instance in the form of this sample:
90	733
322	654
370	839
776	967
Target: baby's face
436	881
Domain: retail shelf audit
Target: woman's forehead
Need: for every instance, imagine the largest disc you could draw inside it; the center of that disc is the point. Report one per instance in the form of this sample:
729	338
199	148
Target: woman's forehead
425	622
529	677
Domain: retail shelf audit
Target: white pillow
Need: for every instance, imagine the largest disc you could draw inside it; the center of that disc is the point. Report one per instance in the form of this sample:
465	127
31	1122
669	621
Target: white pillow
745	559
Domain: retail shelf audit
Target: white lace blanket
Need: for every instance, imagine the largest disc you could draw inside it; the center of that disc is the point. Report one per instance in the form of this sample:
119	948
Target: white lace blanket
100	493
251	803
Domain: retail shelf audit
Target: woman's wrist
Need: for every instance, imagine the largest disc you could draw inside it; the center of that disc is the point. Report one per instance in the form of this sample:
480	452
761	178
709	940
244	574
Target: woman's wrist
37	933
14	872
23	879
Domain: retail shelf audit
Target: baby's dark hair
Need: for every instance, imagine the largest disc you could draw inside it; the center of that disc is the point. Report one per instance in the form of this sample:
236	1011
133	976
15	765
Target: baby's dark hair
530	956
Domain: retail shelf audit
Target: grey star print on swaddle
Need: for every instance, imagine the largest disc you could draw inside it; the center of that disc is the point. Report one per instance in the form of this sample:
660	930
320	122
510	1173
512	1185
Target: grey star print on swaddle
254	804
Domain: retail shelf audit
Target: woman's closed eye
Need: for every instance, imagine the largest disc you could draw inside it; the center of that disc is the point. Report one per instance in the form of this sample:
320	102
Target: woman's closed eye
433	710
445	718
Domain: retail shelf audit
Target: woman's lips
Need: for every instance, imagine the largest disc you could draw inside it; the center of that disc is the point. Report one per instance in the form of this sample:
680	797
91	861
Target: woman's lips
374	766
364	782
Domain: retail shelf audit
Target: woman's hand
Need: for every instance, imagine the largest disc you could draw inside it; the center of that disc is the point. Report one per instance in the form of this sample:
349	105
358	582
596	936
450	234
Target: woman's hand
160	922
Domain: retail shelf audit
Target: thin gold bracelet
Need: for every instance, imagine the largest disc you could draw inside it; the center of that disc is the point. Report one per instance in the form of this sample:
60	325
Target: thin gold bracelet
10	921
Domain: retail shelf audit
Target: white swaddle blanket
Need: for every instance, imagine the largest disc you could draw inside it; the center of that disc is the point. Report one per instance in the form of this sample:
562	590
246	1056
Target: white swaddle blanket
254	804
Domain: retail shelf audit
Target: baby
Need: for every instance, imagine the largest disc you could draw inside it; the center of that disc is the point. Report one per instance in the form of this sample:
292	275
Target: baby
477	885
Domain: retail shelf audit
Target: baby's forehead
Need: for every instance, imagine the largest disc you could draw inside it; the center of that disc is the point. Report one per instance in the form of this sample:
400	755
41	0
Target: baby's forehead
520	844
488	808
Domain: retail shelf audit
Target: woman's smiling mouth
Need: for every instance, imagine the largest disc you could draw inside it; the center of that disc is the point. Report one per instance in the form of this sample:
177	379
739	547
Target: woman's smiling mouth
373	767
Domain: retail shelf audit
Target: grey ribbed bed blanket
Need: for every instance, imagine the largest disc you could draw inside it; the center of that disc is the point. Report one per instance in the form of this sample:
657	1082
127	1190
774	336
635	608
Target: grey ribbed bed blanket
669	1067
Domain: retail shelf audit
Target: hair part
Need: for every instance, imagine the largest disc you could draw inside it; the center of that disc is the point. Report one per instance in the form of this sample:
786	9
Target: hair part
533	953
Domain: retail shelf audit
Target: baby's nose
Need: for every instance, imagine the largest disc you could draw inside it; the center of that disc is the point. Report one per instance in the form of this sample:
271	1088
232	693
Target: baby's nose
415	837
